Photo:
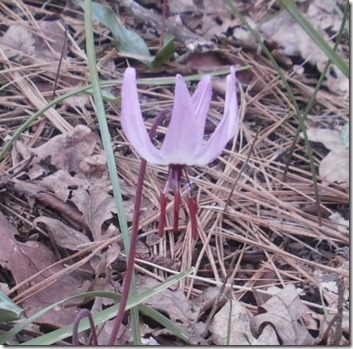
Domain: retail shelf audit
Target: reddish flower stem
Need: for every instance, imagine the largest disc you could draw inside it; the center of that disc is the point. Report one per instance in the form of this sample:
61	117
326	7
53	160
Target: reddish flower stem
82	314
134	236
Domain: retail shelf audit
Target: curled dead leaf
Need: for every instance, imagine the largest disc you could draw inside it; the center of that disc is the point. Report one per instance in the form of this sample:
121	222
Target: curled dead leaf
96	206
24	260
282	311
65	151
335	166
63	235
27	45
233	322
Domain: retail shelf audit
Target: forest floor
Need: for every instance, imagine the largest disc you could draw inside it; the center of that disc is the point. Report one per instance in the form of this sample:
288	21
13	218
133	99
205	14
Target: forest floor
272	258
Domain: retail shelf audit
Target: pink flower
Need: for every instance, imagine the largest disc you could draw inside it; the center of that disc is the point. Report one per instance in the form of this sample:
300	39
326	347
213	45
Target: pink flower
184	143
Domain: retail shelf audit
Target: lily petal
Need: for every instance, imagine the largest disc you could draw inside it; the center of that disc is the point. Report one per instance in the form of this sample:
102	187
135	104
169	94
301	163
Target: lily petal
226	128
132	121
180	142
202	100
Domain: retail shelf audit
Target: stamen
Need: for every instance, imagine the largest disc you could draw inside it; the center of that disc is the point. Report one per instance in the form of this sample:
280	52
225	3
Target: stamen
177	172
177	204
163	204
193	208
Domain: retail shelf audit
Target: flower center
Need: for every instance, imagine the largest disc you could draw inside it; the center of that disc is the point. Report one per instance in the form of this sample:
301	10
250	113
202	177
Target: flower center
176	175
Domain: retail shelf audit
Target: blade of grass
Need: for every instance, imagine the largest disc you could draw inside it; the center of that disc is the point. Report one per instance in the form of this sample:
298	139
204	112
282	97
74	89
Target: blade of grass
293	100
106	139
290	6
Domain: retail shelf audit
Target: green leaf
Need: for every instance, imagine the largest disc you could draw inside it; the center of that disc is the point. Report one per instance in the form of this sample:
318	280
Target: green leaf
126	41
129	43
9	311
166	52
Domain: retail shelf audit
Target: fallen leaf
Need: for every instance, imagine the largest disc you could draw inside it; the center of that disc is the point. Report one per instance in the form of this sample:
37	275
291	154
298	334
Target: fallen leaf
282	311
96	206
26	45
233	316
331	139
63	235
207	299
63	183
335	166
17	41
26	259
173	303
342	224
209	20
95	166
285	31
74	147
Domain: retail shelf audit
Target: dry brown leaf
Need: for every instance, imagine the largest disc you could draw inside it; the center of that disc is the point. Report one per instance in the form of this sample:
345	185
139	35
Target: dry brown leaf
95	166
342	224
240	331
239	328
335	166
268	336
210	19
207	299
282	311
26	259
174	303
331	139
17	41
101	264
62	183
63	235
96	206
20	41
285	31
65	151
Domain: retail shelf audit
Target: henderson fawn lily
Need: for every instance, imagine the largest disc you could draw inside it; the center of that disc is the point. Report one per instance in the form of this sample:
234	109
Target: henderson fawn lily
184	143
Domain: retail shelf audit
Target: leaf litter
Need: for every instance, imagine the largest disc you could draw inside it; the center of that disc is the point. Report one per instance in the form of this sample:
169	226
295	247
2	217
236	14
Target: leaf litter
61	200
334	167
29	259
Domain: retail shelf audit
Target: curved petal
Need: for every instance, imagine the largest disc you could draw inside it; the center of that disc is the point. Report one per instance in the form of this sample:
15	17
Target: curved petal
180	142
202	100
225	129
132	121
